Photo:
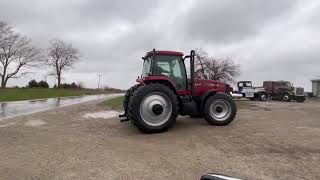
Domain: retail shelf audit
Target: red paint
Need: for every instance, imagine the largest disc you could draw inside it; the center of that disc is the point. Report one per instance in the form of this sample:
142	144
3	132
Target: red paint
201	85
169	53
154	78
204	85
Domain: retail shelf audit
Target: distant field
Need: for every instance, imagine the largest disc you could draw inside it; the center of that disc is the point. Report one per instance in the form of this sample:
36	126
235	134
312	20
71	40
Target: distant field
38	93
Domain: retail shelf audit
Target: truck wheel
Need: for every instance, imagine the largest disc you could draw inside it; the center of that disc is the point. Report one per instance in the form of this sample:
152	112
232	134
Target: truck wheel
286	97
154	108
219	110
300	99
263	96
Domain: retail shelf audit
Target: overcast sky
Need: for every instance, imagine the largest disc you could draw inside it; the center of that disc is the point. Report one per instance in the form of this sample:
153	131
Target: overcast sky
271	40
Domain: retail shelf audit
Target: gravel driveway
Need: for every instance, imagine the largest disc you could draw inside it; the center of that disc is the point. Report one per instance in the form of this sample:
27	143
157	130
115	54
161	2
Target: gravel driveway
267	140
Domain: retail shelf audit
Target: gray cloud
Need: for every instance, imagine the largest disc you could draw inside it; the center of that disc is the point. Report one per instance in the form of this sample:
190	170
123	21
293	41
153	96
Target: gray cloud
232	20
270	39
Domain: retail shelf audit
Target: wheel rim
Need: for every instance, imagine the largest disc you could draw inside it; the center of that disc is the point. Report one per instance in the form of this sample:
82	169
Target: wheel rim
220	110
263	97
285	97
155	109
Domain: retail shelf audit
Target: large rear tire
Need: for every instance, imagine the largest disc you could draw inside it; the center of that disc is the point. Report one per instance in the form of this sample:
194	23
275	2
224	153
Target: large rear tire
129	93
154	108
220	110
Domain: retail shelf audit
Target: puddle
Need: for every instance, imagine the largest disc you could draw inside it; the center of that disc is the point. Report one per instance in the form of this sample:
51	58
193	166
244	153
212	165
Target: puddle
16	108
35	123
102	114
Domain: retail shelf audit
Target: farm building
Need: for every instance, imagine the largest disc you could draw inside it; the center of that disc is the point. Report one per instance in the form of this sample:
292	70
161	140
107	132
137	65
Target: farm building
316	87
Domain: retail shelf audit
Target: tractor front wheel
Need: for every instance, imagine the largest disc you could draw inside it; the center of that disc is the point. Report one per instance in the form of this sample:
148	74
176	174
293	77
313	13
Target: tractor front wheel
154	108
220	110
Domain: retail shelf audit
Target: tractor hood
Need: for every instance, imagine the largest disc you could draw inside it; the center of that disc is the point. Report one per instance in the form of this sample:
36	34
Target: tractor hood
204	85
201	85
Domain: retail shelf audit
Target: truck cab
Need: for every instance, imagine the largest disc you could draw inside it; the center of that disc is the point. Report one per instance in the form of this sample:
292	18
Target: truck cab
245	89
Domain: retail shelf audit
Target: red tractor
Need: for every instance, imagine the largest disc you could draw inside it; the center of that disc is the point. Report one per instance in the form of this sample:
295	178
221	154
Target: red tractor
163	92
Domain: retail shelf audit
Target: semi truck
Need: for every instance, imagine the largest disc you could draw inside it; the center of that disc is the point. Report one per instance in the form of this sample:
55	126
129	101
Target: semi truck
283	90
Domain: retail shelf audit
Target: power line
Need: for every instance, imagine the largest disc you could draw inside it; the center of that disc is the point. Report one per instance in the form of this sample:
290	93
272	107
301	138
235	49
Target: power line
99	75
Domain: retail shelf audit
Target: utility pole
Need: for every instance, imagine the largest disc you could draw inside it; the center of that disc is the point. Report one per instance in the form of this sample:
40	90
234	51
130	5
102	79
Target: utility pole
99	75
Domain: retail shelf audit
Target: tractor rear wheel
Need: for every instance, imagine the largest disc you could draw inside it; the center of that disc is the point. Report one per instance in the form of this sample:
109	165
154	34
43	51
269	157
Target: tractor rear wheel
220	110
154	108
129	93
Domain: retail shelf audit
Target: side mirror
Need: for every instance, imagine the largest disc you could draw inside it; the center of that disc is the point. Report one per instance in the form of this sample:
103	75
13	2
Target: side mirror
212	176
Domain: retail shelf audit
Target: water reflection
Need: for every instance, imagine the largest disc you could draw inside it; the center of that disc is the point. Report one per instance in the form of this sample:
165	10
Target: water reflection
13	109
3	106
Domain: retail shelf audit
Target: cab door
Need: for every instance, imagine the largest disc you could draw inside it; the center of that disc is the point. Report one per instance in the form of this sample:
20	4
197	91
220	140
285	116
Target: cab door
172	67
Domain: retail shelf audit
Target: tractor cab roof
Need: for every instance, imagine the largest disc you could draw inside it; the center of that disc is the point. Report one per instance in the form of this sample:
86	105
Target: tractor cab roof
168	53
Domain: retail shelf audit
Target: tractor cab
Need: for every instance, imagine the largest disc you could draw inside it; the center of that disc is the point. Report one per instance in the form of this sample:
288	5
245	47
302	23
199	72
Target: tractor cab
168	64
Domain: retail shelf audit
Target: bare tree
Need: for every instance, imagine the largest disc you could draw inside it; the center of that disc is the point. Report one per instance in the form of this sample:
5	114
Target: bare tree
216	69
17	54
61	57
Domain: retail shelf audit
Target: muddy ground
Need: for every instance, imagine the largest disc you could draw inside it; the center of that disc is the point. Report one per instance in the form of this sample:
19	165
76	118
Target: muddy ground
267	140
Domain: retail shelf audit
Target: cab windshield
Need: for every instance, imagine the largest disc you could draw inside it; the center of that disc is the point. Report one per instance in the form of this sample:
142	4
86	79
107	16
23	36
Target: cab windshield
165	65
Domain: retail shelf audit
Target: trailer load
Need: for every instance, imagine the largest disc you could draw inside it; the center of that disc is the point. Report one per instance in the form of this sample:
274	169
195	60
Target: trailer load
284	90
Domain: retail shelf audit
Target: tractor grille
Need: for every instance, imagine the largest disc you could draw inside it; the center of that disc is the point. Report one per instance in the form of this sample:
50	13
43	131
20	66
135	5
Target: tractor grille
299	91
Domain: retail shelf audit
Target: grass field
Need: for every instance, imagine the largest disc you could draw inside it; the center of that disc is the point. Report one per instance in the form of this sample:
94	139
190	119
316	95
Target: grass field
114	103
38	93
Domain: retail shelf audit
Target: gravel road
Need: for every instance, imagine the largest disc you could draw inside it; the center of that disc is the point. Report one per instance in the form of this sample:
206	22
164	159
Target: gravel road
267	140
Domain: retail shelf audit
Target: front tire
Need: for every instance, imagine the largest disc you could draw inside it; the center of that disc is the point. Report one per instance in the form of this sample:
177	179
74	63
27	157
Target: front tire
286	97
220	110
154	108
263	96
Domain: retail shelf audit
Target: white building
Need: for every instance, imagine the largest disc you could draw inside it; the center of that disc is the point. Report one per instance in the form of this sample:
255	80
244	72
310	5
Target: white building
316	87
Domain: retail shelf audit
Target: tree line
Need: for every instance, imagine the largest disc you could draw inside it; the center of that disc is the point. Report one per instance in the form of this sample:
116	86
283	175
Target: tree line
18	56
220	69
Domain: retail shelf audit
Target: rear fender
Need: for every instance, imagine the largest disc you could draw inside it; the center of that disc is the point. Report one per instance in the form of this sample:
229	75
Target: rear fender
165	82
157	79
